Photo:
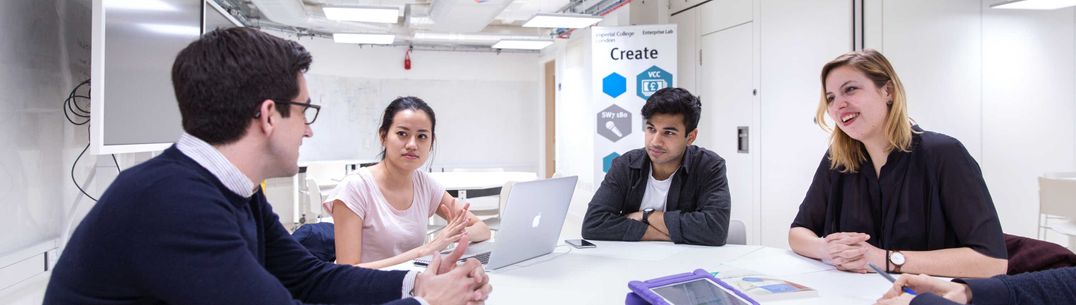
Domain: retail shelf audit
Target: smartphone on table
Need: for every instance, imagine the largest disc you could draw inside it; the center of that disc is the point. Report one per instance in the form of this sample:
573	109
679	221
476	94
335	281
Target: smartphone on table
580	243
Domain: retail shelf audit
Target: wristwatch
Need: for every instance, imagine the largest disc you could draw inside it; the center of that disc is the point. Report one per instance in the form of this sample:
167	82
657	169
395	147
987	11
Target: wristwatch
897	259
646	215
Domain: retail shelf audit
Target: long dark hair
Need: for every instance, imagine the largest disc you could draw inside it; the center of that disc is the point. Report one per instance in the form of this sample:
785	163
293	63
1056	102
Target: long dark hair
401	104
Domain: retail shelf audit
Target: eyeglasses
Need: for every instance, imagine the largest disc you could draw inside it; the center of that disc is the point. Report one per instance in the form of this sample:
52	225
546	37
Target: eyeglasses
310	116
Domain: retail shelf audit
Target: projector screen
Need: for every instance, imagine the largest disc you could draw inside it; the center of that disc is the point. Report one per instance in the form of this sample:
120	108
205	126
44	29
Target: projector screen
133	105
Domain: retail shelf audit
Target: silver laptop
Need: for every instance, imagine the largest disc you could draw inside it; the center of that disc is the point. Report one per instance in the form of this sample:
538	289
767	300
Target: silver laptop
530	223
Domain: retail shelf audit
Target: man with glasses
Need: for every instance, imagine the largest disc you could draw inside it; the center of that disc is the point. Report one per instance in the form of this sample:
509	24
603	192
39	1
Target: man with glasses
310	111
191	226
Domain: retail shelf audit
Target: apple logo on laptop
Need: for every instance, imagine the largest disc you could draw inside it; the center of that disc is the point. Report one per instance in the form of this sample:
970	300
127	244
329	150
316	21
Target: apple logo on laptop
537	220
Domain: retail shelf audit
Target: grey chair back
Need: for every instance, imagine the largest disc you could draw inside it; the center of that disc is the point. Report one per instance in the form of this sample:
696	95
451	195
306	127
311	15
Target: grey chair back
737	233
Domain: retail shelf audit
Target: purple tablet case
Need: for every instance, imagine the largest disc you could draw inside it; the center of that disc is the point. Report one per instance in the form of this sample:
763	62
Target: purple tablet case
634	299
642	292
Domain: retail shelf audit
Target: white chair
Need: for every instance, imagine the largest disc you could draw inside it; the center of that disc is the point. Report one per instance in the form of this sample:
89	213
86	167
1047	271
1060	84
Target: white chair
1057	205
484	205
495	221
492	217
737	233
312	203
328	173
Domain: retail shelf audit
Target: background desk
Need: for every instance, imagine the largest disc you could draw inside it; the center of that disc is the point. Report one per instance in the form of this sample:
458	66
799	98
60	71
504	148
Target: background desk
601	275
465	185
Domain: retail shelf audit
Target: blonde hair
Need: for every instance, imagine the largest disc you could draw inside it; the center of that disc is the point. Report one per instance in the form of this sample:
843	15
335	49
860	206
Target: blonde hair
846	153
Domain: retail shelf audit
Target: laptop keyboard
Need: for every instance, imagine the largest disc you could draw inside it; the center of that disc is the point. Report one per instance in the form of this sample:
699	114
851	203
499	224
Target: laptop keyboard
481	257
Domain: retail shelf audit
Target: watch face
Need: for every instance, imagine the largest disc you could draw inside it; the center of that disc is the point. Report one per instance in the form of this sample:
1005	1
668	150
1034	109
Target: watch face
897	258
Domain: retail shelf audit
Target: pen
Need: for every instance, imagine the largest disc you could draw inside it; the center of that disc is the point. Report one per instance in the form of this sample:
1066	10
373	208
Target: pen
890	278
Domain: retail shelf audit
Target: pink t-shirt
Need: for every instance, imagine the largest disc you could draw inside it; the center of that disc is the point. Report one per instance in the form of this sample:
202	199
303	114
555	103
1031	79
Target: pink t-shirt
387	231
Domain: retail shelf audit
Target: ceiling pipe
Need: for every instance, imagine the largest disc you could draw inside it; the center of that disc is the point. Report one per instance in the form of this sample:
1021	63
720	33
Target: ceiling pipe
293	13
465	16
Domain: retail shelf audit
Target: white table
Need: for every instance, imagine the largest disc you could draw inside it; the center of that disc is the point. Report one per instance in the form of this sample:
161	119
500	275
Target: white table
463	182
601	275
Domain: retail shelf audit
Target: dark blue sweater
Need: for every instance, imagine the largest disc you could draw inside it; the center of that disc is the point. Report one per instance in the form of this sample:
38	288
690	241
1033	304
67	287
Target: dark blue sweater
168	232
1054	286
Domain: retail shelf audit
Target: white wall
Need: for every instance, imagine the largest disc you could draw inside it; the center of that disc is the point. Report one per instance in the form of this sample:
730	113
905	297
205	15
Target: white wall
1028	107
46	55
687	54
1003	86
574	136
936	48
575	127
35	134
797	38
476	95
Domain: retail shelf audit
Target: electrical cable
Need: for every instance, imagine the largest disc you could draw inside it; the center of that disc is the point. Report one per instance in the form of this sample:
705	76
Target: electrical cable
72	108
73	170
72	111
117	163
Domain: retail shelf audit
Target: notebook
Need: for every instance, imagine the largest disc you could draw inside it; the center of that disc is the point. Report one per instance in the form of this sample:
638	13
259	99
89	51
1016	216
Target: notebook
764	288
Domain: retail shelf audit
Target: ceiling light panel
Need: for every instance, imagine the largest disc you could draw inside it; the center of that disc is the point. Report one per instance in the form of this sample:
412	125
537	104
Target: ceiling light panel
571	21
1035	4
363	14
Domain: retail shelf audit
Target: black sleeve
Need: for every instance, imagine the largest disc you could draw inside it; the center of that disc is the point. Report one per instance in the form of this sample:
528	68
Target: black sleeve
605	219
812	214
1054	286
966	202
708	225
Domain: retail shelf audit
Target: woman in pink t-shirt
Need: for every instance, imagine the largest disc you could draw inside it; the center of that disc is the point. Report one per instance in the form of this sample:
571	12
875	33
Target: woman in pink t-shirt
381	213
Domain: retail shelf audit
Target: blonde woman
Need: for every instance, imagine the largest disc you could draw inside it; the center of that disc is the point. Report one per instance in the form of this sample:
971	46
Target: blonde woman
889	193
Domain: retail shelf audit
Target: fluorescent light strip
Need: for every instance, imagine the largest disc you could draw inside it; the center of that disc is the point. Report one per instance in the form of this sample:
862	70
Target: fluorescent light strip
363	14
1035	4
364	38
572	21
522	44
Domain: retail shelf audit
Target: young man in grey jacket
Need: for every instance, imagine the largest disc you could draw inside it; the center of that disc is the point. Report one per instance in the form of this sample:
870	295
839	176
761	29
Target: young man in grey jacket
668	190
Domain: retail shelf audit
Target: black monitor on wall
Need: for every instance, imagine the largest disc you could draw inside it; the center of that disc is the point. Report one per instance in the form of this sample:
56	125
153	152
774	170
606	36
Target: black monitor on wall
133	105
216	17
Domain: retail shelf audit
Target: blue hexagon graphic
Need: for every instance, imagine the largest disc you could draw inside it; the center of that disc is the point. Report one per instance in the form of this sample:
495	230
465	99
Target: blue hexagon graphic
607	162
652	80
614	85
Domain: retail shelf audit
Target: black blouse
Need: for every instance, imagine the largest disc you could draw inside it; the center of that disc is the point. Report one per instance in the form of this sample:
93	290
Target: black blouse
932	197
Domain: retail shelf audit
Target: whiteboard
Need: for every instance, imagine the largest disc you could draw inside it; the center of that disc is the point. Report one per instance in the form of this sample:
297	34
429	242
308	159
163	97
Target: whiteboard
474	118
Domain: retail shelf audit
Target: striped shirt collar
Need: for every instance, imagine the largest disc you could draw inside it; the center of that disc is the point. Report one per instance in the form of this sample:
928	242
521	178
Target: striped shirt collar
211	159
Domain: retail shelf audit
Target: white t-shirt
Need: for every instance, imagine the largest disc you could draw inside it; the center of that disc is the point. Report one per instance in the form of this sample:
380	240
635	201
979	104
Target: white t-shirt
387	231
657	192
